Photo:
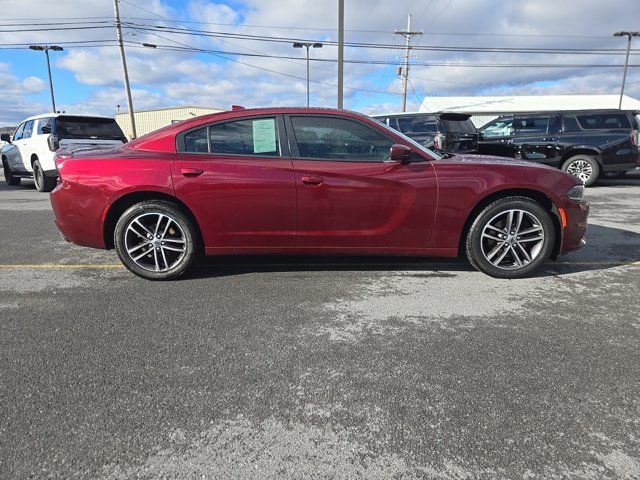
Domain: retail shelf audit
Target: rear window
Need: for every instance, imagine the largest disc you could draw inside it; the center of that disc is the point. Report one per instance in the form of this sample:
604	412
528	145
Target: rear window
459	126
424	124
603	121
88	127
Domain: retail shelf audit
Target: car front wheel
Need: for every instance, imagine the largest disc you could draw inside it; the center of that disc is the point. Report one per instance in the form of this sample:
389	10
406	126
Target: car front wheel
8	175
584	167
510	238
155	240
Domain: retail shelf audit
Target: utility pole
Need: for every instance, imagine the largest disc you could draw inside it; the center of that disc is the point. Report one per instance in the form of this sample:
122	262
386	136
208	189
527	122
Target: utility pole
125	72
407	34
629	35
340	53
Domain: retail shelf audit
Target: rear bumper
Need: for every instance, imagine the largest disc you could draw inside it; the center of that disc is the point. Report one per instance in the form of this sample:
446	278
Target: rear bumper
78	212
576	214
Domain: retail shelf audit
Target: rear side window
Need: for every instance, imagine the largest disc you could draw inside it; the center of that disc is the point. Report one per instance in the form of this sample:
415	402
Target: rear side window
28	129
197	141
531	125
424	124
45	125
88	127
257	136
603	121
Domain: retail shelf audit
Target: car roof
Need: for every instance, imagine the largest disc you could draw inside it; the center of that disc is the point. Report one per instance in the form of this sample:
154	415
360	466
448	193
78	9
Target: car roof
55	115
157	138
591	111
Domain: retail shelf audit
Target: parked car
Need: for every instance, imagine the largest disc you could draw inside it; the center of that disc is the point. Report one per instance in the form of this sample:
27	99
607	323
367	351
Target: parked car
442	132
587	143
29	152
310	181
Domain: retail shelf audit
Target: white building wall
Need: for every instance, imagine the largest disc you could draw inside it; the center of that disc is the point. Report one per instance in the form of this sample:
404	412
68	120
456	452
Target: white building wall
150	120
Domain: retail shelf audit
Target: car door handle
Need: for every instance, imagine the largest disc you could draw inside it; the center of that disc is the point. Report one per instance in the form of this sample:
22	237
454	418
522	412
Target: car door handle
192	172
311	180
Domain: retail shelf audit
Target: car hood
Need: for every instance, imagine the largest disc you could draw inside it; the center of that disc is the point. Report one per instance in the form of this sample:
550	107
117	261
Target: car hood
488	160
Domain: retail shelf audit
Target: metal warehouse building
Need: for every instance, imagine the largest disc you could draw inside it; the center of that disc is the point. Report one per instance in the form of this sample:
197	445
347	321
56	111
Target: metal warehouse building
485	109
150	120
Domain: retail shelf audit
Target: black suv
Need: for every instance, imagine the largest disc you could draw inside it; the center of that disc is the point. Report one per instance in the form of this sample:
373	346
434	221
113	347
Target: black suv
586	143
445	132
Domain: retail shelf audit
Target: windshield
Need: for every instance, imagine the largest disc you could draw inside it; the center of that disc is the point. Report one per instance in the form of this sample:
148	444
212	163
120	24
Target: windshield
422	148
88	127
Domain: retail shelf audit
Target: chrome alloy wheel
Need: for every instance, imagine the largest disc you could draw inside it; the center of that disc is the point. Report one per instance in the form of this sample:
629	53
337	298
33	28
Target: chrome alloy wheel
155	242
581	169
512	239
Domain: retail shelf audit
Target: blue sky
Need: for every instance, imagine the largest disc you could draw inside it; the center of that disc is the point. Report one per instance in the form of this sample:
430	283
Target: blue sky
88	80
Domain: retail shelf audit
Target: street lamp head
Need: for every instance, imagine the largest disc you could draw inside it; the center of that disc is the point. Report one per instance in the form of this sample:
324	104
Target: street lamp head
56	48
36	47
317	45
298	45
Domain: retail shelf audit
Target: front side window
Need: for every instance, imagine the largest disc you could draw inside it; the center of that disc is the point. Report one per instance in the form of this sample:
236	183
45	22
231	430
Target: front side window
339	139
257	136
502	127
603	121
531	125
18	133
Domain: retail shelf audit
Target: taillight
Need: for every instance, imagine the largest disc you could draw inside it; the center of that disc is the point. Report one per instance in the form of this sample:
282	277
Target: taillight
634	137
54	143
439	141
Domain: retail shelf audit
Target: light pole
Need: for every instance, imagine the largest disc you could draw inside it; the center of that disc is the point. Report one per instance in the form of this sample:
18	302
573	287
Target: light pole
307	45
46	49
626	60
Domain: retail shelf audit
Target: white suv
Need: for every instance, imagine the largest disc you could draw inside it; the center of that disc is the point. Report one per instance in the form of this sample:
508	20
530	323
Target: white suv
29	153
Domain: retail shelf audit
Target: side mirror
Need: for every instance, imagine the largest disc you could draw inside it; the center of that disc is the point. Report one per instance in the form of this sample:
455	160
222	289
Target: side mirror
5	137
400	153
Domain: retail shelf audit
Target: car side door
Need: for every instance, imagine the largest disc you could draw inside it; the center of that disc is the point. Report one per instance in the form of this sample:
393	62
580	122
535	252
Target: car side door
237	178
351	197
495	138
536	138
25	145
12	151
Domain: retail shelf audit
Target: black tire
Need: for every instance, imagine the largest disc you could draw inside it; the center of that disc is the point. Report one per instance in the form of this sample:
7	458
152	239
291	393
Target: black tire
150	210
576	166
8	175
478	247
42	182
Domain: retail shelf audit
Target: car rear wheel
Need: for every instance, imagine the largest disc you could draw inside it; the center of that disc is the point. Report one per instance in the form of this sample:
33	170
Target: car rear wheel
155	240
8	175
585	167
43	183
510	238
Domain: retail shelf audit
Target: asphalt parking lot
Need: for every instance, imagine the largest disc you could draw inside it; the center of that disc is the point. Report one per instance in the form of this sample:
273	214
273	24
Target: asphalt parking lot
319	368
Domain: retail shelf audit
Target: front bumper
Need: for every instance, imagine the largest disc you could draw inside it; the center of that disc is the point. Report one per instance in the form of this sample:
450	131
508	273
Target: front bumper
576	215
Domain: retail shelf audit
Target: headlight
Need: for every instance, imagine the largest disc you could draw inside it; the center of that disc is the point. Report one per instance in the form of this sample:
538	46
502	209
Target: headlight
576	193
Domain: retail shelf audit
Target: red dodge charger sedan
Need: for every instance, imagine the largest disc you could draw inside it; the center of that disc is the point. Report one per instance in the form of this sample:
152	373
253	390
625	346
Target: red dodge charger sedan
310	181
